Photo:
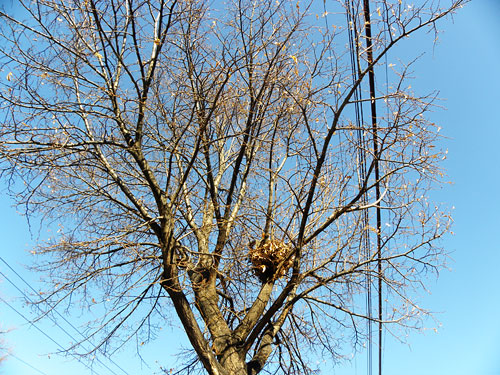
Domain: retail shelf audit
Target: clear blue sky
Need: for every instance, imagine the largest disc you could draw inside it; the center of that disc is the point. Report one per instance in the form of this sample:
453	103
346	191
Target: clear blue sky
464	67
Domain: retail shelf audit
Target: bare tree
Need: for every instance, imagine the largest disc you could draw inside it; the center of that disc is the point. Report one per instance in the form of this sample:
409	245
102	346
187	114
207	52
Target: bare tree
208	159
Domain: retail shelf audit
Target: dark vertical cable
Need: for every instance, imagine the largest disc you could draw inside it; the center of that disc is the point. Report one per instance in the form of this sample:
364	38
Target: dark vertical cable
373	107
362	174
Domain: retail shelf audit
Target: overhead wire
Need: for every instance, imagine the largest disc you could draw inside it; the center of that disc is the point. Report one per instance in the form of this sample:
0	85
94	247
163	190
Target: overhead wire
27	363
362	173
355	65
353	38
385	19
376	157
56	312
44	333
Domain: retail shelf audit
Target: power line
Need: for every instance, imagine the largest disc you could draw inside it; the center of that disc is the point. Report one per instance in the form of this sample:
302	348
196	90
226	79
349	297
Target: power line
44	333
362	172
27	364
51	318
57	312
373	107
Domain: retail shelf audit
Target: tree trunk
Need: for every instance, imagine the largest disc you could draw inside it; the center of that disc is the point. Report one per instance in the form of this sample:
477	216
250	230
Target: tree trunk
234	362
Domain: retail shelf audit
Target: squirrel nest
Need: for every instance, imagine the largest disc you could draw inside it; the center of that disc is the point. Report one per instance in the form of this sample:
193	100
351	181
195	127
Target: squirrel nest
268	259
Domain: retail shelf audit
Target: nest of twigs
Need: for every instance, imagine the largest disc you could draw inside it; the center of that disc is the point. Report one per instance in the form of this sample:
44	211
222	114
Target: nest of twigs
271	259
